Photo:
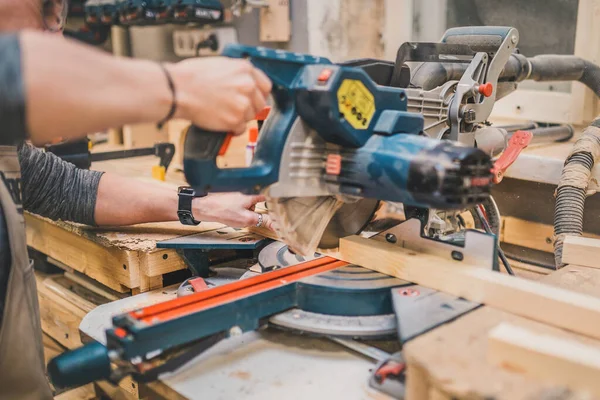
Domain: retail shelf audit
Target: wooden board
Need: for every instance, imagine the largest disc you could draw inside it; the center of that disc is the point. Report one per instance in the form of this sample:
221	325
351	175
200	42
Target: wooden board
62	307
532	235
581	251
143	135
549	358
453	358
81	393
570	310
275	23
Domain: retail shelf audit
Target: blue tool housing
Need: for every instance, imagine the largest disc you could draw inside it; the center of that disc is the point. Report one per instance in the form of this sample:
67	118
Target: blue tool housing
382	154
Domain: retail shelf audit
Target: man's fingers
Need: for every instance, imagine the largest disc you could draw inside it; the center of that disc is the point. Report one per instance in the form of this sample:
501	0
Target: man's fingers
259	102
263	82
253	219
257	198
239	130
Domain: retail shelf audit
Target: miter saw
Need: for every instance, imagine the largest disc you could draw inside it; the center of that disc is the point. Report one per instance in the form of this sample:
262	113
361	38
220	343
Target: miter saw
340	138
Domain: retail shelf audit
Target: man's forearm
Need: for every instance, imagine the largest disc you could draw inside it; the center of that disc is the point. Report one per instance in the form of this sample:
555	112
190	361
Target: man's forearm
72	89
127	201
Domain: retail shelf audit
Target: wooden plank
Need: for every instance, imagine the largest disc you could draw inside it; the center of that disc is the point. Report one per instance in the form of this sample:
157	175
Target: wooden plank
115	268
570	310
80	302
417	383
121	392
546	357
275	23
454	356
160	261
581	251
60	319
143	135
148	283
51	348
453	359
532	235
81	393
93	286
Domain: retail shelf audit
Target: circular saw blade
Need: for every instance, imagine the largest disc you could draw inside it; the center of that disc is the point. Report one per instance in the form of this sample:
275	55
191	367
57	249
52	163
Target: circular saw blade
350	219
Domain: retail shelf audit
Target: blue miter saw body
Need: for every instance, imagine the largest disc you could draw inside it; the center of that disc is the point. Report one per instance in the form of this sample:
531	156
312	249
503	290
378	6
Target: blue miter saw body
357	139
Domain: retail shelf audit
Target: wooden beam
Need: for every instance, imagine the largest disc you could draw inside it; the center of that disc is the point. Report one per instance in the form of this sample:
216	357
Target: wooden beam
532	235
583	251
546	357
417	382
554	306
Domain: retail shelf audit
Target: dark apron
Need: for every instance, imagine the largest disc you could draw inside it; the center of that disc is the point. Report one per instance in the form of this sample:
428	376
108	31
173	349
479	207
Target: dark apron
21	351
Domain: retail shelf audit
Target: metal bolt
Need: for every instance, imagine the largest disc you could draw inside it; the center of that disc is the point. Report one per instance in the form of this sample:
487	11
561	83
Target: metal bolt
513	39
409	292
391	238
470	116
235	331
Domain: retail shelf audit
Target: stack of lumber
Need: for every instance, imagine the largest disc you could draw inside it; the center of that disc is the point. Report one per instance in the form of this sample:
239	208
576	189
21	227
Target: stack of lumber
531	340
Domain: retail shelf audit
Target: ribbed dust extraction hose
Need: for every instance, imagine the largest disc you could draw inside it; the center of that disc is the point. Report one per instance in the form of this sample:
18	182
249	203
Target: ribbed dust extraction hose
572	188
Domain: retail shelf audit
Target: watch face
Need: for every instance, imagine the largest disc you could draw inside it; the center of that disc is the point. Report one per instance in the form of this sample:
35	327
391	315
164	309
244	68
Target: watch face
186	190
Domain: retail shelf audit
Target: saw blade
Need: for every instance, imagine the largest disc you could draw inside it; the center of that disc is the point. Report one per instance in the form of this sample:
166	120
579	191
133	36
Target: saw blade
350	219
307	211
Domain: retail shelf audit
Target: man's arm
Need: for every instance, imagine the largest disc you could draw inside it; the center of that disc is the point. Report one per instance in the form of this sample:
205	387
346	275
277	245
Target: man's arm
57	189
126	201
72	89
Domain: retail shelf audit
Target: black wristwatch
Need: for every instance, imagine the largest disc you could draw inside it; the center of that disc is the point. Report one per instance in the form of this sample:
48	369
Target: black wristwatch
184	211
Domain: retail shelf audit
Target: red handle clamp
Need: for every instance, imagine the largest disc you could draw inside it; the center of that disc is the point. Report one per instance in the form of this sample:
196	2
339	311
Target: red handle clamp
516	144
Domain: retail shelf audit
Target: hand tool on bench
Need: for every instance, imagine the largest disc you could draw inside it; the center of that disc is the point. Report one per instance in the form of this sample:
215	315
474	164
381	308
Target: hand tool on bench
78	152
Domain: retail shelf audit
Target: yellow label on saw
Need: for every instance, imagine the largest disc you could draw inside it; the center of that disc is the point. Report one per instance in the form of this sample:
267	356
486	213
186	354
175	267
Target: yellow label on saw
356	103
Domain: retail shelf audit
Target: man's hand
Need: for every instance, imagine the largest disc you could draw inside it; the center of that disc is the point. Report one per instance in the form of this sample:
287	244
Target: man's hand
232	209
219	94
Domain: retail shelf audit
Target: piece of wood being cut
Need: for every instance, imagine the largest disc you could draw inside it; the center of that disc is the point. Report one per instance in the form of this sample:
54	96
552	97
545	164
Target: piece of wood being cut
546	357
554	306
579	250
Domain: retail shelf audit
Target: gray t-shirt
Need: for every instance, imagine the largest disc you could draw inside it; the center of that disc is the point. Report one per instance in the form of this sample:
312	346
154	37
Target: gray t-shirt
48	185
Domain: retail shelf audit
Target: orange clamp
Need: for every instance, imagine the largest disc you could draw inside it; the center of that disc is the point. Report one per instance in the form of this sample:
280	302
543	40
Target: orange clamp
516	144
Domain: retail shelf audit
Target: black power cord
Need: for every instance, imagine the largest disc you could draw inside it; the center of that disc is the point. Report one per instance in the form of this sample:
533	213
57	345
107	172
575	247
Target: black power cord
486	227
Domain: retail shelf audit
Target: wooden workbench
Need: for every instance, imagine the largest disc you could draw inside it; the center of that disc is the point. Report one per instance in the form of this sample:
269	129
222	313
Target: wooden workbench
449	361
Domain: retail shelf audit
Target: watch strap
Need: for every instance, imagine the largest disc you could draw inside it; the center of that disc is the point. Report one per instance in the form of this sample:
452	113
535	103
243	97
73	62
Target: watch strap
184	210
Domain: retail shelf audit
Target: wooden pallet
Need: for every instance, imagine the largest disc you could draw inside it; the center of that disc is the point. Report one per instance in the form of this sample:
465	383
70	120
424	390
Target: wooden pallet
125	260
